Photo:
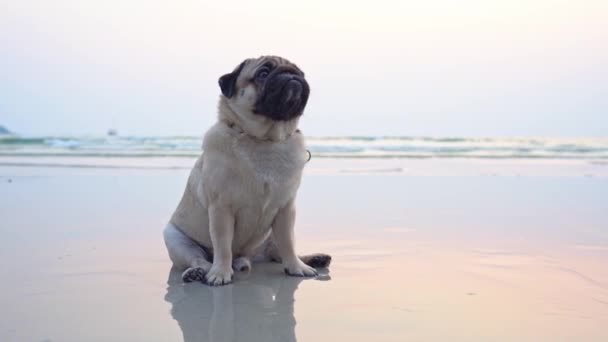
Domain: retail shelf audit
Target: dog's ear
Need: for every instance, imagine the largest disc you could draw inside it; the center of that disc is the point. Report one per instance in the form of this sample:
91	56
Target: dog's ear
228	81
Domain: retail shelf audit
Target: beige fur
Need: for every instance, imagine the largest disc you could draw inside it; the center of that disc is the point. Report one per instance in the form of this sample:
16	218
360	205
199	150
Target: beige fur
240	191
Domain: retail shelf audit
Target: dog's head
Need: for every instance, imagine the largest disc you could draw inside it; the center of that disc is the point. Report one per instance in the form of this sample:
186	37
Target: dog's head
267	86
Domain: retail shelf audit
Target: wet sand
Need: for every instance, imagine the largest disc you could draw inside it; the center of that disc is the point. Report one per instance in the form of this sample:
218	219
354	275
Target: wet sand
423	250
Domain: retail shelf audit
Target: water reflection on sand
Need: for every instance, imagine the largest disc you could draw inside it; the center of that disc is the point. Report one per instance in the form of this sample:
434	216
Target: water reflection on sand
258	306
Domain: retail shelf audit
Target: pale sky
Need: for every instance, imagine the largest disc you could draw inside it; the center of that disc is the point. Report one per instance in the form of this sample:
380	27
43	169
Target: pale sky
426	67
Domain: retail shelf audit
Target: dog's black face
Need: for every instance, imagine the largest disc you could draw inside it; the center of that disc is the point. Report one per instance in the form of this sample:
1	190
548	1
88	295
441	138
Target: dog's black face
280	87
283	92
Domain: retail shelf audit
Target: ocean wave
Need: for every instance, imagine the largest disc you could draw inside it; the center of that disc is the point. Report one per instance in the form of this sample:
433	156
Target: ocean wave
324	147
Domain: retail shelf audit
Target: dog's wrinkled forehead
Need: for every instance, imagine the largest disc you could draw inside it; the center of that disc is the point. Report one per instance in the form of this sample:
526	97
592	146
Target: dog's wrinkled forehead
243	74
251	65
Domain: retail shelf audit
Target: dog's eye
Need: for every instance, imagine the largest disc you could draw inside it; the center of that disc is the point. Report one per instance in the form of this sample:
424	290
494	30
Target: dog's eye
262	74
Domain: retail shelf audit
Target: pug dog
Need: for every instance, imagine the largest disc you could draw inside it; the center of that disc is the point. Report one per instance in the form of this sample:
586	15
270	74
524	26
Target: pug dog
239	202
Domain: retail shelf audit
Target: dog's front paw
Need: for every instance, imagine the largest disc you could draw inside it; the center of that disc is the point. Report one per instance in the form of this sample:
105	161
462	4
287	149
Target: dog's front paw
219	276
299	269
193	274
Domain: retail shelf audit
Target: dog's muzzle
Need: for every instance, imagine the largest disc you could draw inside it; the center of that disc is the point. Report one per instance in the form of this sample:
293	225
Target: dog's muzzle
284	96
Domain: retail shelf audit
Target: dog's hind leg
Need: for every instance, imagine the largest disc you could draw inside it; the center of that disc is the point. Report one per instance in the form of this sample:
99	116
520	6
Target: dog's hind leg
241	264
186	254
316	260
250	252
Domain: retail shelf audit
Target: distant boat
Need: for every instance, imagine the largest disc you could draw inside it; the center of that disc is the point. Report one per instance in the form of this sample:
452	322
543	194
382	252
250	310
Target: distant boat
112	132
4	131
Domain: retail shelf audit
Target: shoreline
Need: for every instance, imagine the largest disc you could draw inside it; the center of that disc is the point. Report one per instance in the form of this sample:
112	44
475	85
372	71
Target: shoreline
412	167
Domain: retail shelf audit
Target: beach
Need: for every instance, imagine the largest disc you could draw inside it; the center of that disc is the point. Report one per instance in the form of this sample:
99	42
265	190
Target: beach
423	249
456	169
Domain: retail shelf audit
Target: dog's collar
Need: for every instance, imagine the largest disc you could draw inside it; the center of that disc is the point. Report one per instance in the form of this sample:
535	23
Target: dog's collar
235	127
239	130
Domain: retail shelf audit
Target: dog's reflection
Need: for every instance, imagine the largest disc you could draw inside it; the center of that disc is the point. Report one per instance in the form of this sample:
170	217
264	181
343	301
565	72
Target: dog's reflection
257	307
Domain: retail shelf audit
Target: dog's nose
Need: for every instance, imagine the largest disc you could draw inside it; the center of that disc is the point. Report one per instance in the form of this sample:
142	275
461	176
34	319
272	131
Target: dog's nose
285	96
294	89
